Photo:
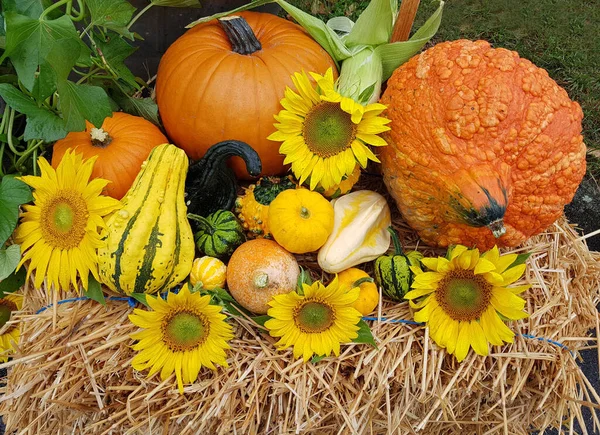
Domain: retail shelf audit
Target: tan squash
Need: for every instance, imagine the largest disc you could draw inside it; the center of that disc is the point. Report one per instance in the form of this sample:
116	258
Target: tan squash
258	270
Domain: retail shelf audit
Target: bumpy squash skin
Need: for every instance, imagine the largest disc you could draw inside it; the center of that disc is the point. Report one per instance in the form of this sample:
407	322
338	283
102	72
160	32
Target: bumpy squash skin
478	134
149	244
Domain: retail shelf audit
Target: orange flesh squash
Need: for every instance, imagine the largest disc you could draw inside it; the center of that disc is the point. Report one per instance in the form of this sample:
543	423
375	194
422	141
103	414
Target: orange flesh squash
473	126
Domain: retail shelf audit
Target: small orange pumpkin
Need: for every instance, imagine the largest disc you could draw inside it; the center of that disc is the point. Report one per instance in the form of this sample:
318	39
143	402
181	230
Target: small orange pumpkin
224	80
258	270
484	148
122	144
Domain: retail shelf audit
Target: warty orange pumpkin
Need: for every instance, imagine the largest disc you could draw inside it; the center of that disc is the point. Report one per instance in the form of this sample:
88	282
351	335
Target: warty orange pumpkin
224	80
484	148
122	144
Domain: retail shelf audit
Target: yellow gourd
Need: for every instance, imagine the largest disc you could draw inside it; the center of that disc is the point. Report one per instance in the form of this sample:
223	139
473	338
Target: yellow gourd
300	220
359	233
369	295
209	273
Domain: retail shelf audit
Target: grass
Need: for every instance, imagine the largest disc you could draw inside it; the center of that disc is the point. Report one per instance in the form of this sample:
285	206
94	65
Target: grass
557	35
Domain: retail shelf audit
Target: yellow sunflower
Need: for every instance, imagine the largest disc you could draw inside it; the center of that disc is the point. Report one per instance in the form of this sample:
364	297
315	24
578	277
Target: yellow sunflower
316	322
180	335
59	233
10	337
462	299
324	134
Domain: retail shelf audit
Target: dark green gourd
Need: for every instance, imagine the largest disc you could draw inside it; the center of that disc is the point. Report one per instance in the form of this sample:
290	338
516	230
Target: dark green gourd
219	234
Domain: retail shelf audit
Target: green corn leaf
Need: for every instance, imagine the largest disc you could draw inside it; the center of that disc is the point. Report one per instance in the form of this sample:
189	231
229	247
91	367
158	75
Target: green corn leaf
360	76
9	258
395	54
94	290
341	25
375	24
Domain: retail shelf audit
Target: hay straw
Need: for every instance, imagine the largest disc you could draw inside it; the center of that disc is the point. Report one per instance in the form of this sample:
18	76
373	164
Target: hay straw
72	373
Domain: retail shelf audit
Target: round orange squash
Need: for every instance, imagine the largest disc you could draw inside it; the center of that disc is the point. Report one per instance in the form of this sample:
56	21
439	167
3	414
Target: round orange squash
258	270
484	148
224	80
122	144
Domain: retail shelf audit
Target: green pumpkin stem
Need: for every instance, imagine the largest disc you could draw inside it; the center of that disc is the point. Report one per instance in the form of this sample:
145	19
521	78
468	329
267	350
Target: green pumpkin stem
240	35
397	245
203	223
360	281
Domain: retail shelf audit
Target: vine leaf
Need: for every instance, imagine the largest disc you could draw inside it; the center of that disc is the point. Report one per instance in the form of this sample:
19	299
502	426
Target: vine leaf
83	102
115	51
177	3
13	282
13	193
41	122
29	41
94	290
112	14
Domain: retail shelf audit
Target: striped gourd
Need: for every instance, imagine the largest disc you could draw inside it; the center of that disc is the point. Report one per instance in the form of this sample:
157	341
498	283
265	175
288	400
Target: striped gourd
149	246
219	234
392	272
208	273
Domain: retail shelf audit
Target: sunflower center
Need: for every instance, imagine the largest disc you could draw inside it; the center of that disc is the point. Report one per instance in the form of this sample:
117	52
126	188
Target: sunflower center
6	308
328	130
63	219
185	330
463	295
314	317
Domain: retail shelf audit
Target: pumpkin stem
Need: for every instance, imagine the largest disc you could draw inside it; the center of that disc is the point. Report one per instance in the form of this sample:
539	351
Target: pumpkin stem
497	228
100	138
261	280
304	212
203	223
397	245
362	280
240	35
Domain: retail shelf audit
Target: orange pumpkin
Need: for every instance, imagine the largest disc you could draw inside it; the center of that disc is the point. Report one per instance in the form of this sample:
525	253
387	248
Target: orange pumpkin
224	80
484	148
122	144
258	270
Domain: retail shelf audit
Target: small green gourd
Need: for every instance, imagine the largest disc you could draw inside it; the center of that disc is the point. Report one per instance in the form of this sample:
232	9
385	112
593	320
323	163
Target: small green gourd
219	234
392	272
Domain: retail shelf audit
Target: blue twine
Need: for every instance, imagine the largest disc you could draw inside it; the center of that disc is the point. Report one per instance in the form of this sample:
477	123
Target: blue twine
132	303
411	322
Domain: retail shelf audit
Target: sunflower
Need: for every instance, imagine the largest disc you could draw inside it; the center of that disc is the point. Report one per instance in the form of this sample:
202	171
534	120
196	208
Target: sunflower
324	134
180	335
316	322
59	232
463	299
10	337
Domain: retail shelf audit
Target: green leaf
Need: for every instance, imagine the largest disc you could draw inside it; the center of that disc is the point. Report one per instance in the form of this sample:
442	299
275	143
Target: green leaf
374	26
112	14
30	8
79	103
364	334
303	278
395	54
341	25
29	41
13	282
144	107
115	51
13	193
316	358
141	298
41	123
177	3
94	290
9	258
261	320
521	259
